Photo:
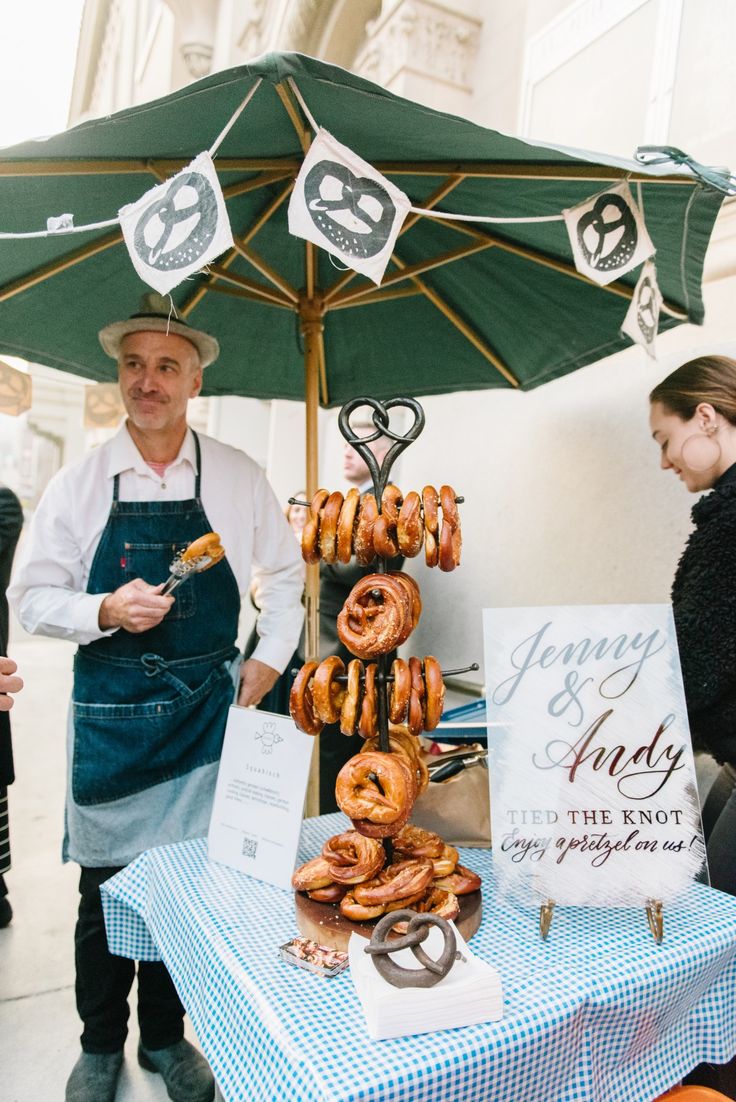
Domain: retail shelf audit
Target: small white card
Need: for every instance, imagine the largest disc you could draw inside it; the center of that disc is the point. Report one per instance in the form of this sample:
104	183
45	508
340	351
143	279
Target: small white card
259	799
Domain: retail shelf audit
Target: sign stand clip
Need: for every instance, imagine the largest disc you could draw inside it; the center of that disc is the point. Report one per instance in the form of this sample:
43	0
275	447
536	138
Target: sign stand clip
545	917
655	918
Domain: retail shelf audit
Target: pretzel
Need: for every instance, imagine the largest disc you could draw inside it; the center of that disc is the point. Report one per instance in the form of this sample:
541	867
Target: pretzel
333	893
352	858
451	540
328	694
417	842
368	721
436	902
346	524
310	531
311	875
374	616
351	704
301	701
375	786
460	882
410	528
406	746
434	698
430	503
328	527
381	830
385	538
206	546
446	863
365	552
412	591
357	913
416	697
399	699
397	881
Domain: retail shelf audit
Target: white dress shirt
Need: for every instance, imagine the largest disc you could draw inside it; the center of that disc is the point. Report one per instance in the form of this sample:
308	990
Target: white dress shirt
48	588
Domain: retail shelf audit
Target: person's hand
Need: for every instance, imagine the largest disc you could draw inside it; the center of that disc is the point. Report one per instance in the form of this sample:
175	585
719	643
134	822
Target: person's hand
256	678
135	606
9	683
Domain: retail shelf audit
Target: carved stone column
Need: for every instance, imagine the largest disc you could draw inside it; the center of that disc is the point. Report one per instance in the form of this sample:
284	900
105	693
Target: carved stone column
423	50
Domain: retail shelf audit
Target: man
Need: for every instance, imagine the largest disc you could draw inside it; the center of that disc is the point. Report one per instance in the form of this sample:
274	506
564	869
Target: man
153	675
335	582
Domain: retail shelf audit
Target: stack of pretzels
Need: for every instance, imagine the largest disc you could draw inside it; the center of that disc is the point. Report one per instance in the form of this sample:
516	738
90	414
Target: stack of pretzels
325	692
339	527
352	871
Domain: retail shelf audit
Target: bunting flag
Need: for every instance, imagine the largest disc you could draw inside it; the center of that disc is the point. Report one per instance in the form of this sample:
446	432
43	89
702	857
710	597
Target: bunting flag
16	390
607	235
642	317
177	227
344	205
103	406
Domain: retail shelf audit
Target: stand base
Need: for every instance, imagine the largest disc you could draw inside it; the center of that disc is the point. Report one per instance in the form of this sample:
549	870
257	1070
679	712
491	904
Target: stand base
323	922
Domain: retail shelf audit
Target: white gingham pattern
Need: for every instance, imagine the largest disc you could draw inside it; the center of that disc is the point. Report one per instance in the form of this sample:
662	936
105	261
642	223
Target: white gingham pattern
597	1013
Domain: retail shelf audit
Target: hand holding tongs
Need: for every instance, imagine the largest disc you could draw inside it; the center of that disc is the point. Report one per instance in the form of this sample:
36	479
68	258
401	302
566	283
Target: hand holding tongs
198	556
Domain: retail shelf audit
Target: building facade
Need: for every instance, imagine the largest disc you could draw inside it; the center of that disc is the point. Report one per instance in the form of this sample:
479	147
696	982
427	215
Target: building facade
565	502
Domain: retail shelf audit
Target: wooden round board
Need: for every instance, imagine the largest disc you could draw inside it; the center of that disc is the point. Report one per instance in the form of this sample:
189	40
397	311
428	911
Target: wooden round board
323	923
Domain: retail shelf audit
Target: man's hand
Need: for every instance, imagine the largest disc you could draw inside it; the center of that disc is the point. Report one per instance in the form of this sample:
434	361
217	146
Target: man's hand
9	683
135	606
256	678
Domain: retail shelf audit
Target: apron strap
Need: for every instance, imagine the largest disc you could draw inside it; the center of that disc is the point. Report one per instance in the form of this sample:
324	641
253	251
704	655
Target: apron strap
197	474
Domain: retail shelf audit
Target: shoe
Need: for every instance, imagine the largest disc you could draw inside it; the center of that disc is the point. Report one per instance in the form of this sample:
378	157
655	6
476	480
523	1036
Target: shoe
185	1071
94	1077
6	912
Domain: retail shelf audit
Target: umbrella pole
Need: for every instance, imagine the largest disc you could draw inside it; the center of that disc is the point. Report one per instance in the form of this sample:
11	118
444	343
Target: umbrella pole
311	320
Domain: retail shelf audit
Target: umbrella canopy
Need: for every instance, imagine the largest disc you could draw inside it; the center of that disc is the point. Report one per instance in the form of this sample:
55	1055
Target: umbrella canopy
462	306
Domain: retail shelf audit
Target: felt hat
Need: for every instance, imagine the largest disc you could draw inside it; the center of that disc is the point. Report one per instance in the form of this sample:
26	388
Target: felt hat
155	313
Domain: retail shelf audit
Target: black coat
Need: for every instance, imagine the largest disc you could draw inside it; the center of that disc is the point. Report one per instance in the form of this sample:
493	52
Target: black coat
704	605
11	522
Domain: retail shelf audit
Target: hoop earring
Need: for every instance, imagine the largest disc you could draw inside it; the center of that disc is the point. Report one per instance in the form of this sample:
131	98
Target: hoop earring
700	452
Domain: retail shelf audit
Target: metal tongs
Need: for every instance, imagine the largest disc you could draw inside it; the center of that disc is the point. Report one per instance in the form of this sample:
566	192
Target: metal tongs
444	766
200	555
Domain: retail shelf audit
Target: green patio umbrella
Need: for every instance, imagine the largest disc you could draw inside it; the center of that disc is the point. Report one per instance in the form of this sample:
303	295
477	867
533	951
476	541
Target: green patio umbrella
462	305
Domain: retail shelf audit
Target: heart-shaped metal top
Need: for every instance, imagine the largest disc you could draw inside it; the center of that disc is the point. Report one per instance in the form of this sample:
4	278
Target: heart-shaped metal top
380	416
432	971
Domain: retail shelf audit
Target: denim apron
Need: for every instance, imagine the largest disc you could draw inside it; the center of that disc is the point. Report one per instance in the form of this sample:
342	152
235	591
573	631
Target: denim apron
151	706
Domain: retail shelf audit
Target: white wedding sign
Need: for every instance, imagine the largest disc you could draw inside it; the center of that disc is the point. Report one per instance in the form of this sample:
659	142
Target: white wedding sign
593	792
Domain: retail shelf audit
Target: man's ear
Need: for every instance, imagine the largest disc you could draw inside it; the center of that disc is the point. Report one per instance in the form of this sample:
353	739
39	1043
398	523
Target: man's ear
196	382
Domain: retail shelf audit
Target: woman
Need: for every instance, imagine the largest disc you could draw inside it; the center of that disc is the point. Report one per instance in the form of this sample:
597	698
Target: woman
693	420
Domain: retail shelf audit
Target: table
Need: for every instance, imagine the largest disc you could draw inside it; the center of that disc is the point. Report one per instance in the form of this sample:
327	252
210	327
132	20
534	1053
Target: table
597	1013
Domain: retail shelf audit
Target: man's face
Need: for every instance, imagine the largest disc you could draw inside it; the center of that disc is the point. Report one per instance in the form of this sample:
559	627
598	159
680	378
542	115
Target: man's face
354	468
158	375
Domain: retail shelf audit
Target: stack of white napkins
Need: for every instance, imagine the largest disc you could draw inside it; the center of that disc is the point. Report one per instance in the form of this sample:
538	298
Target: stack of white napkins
469	994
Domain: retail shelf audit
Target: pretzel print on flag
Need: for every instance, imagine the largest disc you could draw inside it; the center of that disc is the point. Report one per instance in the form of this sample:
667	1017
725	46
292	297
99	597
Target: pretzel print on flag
642	318
345	206
608	235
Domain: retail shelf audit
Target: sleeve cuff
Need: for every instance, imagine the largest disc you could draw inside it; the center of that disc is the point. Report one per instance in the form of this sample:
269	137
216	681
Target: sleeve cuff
274	653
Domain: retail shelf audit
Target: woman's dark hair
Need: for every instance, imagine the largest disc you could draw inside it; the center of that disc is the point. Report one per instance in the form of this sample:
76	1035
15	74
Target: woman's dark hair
706	379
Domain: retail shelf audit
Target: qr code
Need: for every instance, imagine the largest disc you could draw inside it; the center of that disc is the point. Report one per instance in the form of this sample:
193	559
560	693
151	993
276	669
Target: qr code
250	847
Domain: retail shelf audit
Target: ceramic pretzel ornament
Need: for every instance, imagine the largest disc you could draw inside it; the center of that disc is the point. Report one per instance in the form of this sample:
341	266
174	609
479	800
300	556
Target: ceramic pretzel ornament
608	235
344	205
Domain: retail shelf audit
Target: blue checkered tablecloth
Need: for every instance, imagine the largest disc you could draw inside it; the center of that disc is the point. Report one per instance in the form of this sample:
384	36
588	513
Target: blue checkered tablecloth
597	1013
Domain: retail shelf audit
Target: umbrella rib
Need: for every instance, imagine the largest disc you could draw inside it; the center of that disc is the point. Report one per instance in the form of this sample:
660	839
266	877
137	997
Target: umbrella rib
240	292
46	271
437	196
303	133
196	297
548	170
379	295
615	288
411	270
258	289
462	325
266	270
